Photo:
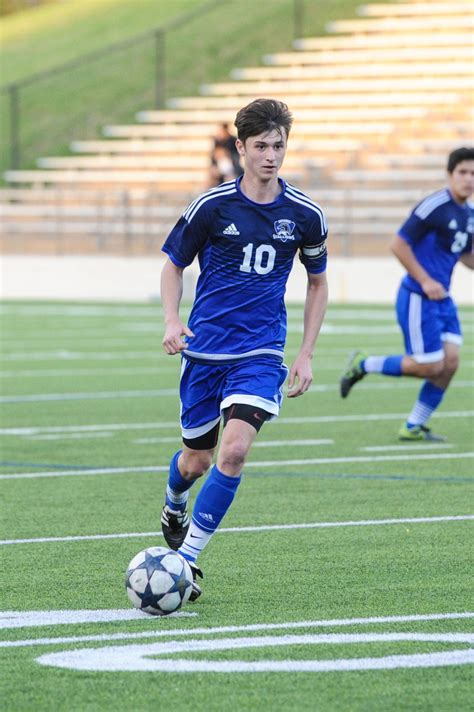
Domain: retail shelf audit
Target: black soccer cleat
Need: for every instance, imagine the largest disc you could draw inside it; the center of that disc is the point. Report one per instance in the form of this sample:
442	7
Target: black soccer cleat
353	372
196	592
174	526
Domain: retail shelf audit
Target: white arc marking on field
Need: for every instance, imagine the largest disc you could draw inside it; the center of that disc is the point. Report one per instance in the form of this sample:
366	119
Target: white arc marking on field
266	527
138	657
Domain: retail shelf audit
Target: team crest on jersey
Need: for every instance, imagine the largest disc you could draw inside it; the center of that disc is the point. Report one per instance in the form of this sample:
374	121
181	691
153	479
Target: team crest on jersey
284	230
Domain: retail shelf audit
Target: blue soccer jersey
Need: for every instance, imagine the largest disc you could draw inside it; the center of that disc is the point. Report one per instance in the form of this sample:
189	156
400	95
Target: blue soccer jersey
438	230
246	251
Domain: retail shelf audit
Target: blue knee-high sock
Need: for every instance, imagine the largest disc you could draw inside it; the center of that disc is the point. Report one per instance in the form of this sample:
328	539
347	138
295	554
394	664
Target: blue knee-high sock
177	487
429	398
388	365
212	502
214	499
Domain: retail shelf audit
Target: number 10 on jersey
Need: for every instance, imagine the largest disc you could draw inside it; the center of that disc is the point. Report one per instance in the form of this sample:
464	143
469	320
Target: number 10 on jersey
263	261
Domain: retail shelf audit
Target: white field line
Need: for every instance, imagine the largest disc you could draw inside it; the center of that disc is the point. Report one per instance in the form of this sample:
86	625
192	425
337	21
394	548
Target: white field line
48	617
67	355
153	310
300	420
258	443
151	354
262	463
166	392
154	329
72	436
413	446
117	371
239	530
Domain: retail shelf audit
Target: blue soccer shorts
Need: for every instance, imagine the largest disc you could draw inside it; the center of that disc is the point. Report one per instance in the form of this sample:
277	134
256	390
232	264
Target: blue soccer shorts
426	324
207	389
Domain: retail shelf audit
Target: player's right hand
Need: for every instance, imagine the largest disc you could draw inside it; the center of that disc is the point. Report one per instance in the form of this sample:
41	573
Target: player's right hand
173	339
433	289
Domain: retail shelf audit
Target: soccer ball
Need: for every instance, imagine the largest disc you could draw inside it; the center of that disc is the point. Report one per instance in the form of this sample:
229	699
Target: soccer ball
158	581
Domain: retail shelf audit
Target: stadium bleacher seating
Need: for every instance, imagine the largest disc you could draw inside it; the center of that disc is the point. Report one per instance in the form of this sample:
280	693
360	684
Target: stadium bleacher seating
378	104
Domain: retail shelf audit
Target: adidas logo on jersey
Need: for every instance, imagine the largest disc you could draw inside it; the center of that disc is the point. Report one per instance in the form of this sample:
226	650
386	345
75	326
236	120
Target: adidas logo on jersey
453	225
231	230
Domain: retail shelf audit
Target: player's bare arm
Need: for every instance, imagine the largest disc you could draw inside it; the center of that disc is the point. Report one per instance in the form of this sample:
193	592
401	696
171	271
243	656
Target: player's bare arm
403	252
301	373
171	293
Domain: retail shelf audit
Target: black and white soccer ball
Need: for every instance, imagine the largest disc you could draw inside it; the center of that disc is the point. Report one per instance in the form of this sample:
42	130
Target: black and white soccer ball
158	581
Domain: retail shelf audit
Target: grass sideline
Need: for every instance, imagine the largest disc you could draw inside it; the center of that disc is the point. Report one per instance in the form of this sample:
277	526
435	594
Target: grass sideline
113	89
87	386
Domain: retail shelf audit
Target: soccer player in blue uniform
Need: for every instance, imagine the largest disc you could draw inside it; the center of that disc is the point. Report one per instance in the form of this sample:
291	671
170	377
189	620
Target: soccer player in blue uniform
435	236
245	234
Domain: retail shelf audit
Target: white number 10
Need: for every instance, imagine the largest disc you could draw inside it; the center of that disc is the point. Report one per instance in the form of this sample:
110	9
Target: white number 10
264	259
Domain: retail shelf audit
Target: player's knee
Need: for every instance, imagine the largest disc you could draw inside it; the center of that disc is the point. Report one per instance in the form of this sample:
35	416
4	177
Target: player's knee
196	464
451	364
232	459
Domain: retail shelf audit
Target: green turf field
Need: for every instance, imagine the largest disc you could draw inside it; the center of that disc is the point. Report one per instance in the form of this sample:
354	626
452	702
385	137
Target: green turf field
339	578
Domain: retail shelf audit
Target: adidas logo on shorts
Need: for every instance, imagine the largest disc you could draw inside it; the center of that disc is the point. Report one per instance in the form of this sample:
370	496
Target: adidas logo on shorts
231	230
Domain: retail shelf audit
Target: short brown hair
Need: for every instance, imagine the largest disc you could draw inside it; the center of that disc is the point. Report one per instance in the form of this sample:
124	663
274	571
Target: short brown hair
458	156
263	116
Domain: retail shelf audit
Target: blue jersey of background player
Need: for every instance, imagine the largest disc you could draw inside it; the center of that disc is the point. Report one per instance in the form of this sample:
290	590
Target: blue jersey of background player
430	242
245	234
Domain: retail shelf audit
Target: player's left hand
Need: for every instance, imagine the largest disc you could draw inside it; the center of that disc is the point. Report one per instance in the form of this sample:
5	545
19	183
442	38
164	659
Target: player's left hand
301	376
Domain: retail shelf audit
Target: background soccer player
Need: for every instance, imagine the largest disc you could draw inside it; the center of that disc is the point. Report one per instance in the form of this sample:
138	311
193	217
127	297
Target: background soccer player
245	233
437	234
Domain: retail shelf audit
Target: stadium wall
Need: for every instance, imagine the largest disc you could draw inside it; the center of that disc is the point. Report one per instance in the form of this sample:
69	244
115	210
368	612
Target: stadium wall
137	279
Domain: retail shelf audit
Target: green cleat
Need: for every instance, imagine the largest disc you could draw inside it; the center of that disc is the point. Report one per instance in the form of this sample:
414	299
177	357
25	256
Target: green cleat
417	433
353	372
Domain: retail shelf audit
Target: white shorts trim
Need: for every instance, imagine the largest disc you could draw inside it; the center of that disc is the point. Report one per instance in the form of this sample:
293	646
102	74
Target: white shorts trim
414	323
191	433
428	358
452	338
232	357
258	402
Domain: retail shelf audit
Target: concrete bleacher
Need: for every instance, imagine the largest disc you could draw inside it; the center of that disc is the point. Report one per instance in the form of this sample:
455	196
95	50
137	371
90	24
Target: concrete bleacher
378	104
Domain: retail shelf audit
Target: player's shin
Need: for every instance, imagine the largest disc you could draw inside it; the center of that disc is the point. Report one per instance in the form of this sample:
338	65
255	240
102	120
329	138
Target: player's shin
177	488
212	503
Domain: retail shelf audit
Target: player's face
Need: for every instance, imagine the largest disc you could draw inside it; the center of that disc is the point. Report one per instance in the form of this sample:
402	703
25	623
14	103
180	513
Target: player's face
263	154
461	181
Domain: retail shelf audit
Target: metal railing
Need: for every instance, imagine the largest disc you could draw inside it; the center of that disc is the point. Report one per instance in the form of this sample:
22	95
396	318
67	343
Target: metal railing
149	52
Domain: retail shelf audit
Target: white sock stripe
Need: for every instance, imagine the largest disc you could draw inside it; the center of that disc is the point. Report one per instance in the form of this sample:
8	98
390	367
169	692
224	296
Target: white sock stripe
374	364
176	497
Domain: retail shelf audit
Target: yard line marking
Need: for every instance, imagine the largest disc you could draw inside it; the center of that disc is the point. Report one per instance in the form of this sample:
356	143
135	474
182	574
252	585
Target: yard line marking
411	446
33	429
66	355
98	395
238	530
261	443
49	617
31	619
165	392
113	371
70	436
257	464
